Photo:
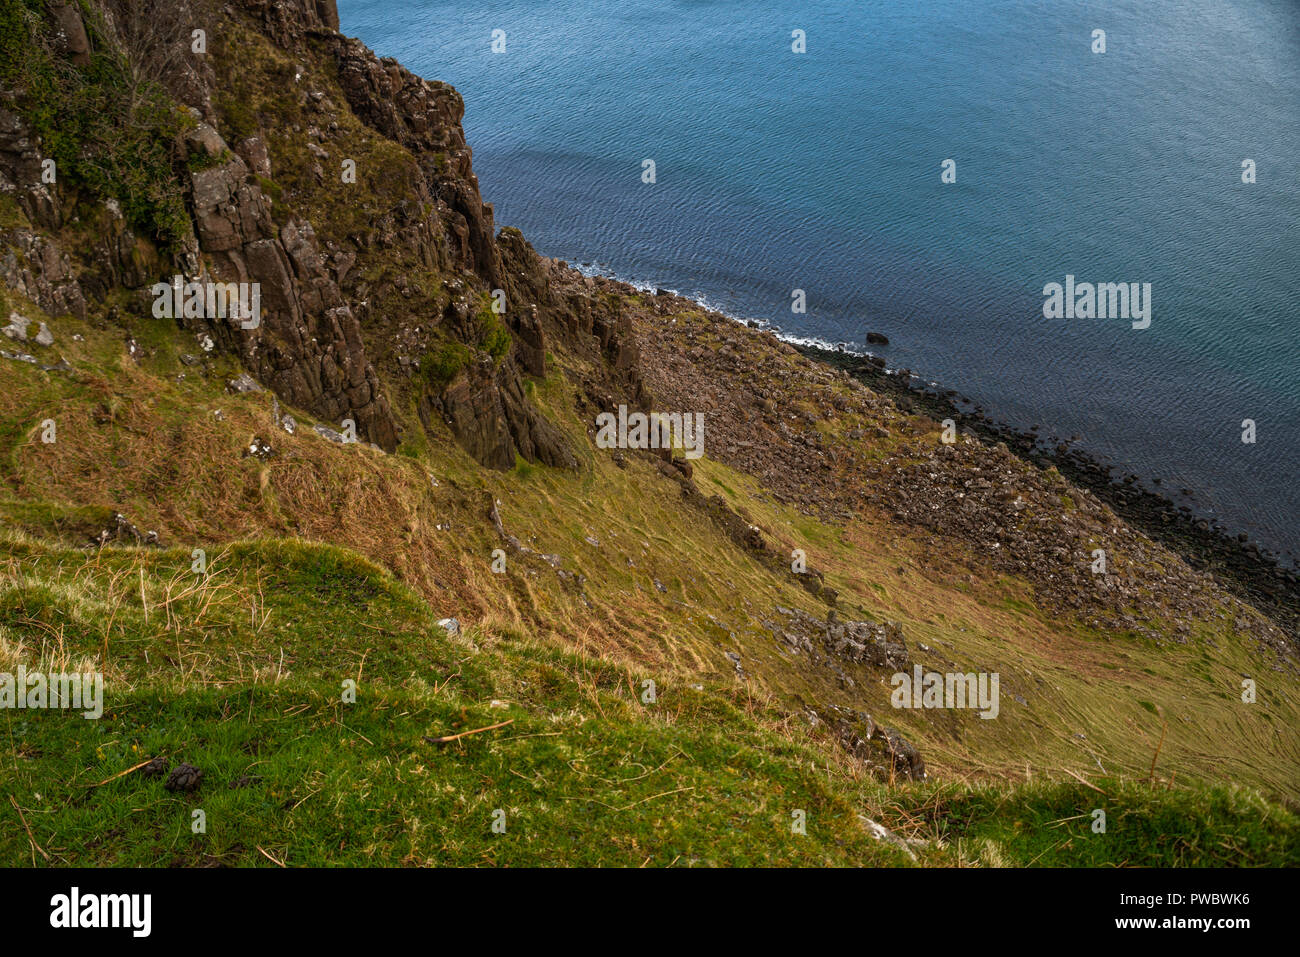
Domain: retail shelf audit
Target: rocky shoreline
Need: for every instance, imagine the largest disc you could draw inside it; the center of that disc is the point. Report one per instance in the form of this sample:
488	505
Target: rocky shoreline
1252	573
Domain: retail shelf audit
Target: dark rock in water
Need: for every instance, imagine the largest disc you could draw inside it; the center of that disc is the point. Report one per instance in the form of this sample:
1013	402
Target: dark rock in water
877	339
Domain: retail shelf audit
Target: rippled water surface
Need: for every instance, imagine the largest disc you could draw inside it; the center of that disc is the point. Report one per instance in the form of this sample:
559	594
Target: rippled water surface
821	171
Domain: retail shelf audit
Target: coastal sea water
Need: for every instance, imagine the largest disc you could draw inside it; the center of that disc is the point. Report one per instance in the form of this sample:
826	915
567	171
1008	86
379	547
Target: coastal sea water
821	171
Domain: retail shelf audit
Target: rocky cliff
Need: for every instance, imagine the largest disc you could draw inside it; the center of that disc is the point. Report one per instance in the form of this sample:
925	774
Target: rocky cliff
351	316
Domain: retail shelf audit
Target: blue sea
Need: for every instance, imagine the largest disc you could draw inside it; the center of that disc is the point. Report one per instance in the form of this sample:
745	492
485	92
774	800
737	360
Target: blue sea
821	171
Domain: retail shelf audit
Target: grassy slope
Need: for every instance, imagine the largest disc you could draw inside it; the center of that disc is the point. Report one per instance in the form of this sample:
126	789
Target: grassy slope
231	673
257	694
241	674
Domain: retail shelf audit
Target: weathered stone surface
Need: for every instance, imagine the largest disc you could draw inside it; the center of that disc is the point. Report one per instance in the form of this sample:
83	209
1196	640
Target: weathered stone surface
309	348
118	257
20	169
487	411
17	327
885	835
204	140
35	266
243	383
889	755
856	642
252	150
70	38
425	117
880	646
228	212
899	754
288	23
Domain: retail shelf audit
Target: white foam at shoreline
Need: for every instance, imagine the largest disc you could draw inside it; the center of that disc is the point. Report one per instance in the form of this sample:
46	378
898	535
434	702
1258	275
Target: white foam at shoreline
704	302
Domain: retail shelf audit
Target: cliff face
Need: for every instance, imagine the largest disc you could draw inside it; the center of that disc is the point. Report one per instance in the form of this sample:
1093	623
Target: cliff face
342	334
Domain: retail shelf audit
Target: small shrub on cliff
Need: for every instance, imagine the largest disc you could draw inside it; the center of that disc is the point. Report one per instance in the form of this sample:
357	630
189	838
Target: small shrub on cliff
496	340
270	188
441	365
14	36
201	160
494	337
240	119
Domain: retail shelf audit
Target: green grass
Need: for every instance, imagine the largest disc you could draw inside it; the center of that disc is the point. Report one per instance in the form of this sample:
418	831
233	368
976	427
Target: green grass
241	674
1051	824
